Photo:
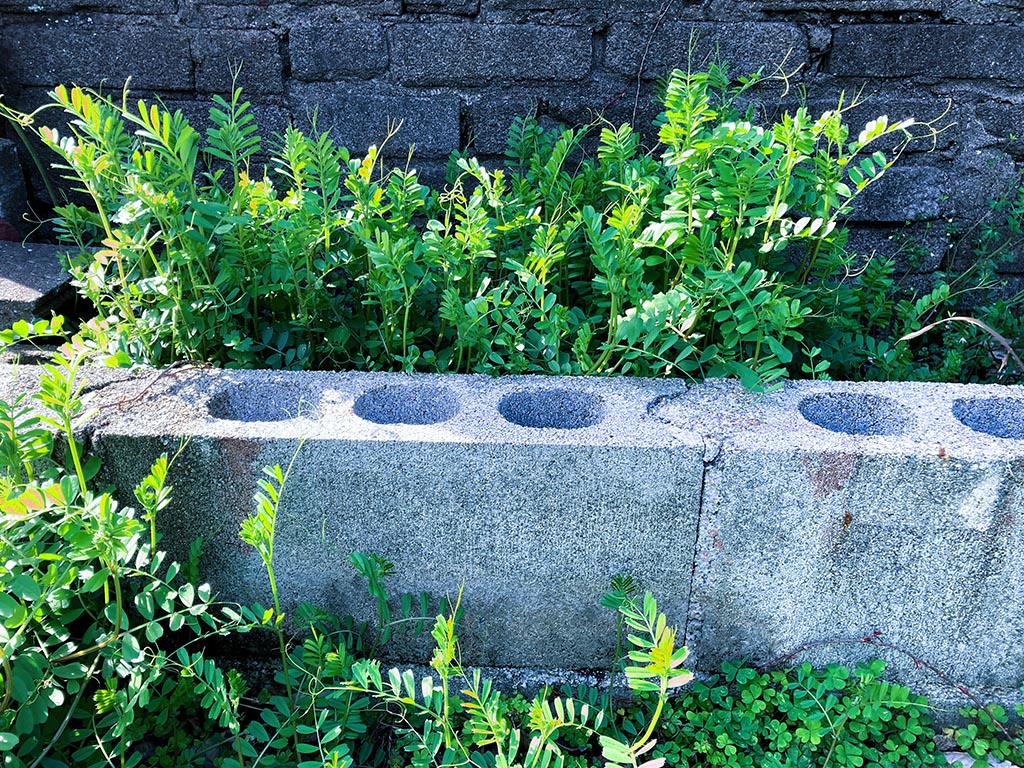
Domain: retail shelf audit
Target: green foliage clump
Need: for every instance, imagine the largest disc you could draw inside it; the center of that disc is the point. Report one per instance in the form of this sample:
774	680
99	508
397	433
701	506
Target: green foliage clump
965	328
707	256
85	597
747	718
987	732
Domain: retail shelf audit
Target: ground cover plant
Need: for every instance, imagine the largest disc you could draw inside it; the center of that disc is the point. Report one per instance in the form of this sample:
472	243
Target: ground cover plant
719	252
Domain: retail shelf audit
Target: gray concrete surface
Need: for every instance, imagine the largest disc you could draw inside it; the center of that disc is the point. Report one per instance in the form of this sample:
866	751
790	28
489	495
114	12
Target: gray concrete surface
32	281
835	510
824	511
13	194
532	522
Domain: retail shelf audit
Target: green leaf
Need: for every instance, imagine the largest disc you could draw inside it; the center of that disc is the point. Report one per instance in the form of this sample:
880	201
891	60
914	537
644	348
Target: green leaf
130	649
71	671
25	587
154	631
8	606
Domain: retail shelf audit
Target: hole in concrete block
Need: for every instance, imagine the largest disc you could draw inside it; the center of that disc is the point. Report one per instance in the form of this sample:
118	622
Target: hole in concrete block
261	403
855	414
407	404
552	409
996	416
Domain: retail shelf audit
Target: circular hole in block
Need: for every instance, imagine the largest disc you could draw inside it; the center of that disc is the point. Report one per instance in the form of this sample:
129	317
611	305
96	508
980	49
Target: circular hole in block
261	403
552	408
407	404
996	416
855	414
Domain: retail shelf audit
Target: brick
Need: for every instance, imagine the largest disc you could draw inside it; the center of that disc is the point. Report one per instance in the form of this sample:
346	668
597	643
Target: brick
98	50
480	54
929	51
452	7
331	49
904	193
49	7
358	117
218	53
746	48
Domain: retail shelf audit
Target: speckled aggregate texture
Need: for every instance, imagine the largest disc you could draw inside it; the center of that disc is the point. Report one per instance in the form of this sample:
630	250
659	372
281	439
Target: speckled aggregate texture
32	282
761	521
554	408
996	416
533	522
407	404
909	525
855	413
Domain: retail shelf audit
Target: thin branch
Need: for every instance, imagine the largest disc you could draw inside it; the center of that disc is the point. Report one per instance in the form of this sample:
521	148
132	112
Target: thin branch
1003	341
643	58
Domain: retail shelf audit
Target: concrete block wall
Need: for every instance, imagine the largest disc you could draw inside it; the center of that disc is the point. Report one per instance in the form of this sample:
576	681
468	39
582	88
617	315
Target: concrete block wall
761	522
458	71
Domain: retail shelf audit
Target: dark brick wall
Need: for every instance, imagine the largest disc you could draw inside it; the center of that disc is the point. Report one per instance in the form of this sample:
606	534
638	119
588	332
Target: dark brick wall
457	71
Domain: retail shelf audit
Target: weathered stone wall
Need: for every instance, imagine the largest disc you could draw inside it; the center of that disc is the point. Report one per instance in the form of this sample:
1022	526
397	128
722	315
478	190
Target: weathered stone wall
458	71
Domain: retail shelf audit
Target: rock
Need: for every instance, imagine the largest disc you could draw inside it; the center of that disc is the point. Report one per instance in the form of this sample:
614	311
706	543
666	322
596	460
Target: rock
32	281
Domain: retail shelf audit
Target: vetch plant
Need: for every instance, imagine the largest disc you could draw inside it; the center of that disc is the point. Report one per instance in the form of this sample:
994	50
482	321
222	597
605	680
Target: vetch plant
85	597
706	256
487	736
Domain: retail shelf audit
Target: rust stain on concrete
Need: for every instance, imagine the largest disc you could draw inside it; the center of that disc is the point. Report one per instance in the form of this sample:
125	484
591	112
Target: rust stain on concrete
831	471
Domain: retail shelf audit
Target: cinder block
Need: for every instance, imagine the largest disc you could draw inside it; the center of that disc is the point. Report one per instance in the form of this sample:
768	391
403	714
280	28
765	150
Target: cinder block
255	54
45	7
452	7
837	510
842	6
13	195
531	493
271	119
917	249
491	116
615	6
480	54
948	119
821	512
98	50
904	193
32	282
